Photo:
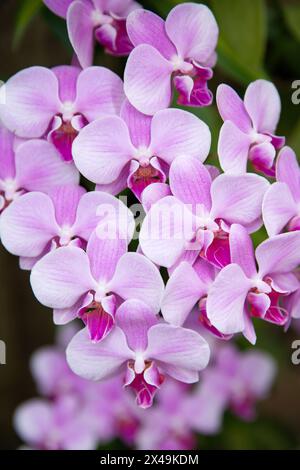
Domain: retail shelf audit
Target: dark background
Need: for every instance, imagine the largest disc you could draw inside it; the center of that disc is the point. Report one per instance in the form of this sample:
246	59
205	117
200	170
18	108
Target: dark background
258	39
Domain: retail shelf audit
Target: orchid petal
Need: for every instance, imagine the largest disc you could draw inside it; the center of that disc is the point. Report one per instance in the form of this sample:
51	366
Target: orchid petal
165	231
147	80
7	161
40	168
183	353
67	77
60	278
181	296
31	101
59	7
238	199
104	255
279	254
190	182
226	299
262	102
97	209
199	31
139	125
96	361
279	208
135	318
145	27
288	172
99	91
66	200
233	148
28	225
81	31
153	193
176	133
102	149
137	278
232	108
241	250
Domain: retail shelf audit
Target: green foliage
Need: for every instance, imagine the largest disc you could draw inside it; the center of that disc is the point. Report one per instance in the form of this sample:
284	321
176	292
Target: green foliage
291	11
27	11
258	435
243	33
294	140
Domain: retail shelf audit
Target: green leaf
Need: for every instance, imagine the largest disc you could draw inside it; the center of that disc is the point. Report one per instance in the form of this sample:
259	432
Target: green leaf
291	11
243	34
27	11
294	139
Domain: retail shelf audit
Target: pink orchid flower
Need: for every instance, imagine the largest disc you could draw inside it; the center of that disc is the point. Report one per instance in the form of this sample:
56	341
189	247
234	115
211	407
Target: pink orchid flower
145	348
60	425
186	293
170	420
37	223
58	103
135	150
182	48
122	419
91	285
29	166
249	126
242	378
240	291
281	204
292	304
197	218
100	20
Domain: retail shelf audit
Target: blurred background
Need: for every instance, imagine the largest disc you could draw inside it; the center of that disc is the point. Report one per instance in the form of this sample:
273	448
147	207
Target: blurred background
258	39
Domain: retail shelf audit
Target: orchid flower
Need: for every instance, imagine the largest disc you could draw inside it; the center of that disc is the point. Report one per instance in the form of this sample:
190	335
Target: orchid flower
91	285
37	223
186	293
242	378
135	150
197	218
181	48
144	348
170	420
61	425
240	291
52	374
29	166
100	20
54	380
249	126
281	204
58	103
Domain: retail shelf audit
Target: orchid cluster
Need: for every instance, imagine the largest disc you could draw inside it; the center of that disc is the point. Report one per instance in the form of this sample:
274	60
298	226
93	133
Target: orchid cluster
79	123
73	413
